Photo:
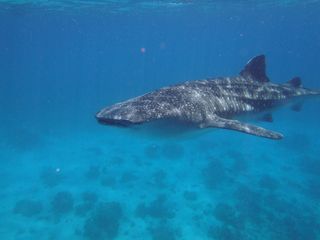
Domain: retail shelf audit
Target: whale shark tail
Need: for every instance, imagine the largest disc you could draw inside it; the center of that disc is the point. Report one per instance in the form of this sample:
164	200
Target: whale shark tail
296	83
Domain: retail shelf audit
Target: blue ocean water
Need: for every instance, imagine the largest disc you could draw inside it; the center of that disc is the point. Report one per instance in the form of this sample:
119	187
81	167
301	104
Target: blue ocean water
64	176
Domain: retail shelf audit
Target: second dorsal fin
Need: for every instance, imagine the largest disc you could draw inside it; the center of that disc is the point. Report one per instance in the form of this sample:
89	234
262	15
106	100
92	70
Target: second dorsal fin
295	82
255	69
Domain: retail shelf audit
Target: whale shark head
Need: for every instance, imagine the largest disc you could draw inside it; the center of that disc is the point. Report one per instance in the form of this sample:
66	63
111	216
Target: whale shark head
113	117
123	114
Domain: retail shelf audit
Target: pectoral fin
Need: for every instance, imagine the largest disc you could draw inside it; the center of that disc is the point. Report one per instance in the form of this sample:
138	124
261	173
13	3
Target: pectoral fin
218	122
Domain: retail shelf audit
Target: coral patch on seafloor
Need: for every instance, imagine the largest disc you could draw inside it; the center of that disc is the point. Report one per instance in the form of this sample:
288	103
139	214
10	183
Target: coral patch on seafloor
214	174
190	195
224	232
62	203
226	214
89	201
159	178
82	209
269	183
104	222
108	181
128	177
163	232
28	208
159	209
89	197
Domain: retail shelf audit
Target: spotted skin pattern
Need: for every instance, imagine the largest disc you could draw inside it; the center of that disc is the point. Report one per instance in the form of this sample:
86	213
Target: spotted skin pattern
214	102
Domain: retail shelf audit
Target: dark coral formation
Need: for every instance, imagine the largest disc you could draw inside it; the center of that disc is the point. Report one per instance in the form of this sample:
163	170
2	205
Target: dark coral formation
190	195
128	177
269	183
104	222
224	232
279	217
89	201
159	209
89	197
249	204
164	232
295	226
108	181
214	174
83	209
226	214
288	220
159	179
62	203
239	162
28	208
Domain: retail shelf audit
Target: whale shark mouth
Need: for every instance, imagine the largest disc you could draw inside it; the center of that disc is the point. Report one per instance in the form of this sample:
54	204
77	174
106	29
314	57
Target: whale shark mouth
114	122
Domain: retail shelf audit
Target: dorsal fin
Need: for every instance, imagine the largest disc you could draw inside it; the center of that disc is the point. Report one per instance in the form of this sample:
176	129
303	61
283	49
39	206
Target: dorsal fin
255	69
295	82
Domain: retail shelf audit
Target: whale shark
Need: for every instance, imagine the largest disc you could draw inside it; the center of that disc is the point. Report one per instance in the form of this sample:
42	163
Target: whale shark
221	102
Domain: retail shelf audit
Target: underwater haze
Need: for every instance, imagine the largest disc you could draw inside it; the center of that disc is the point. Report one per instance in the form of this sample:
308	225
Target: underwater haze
64	176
